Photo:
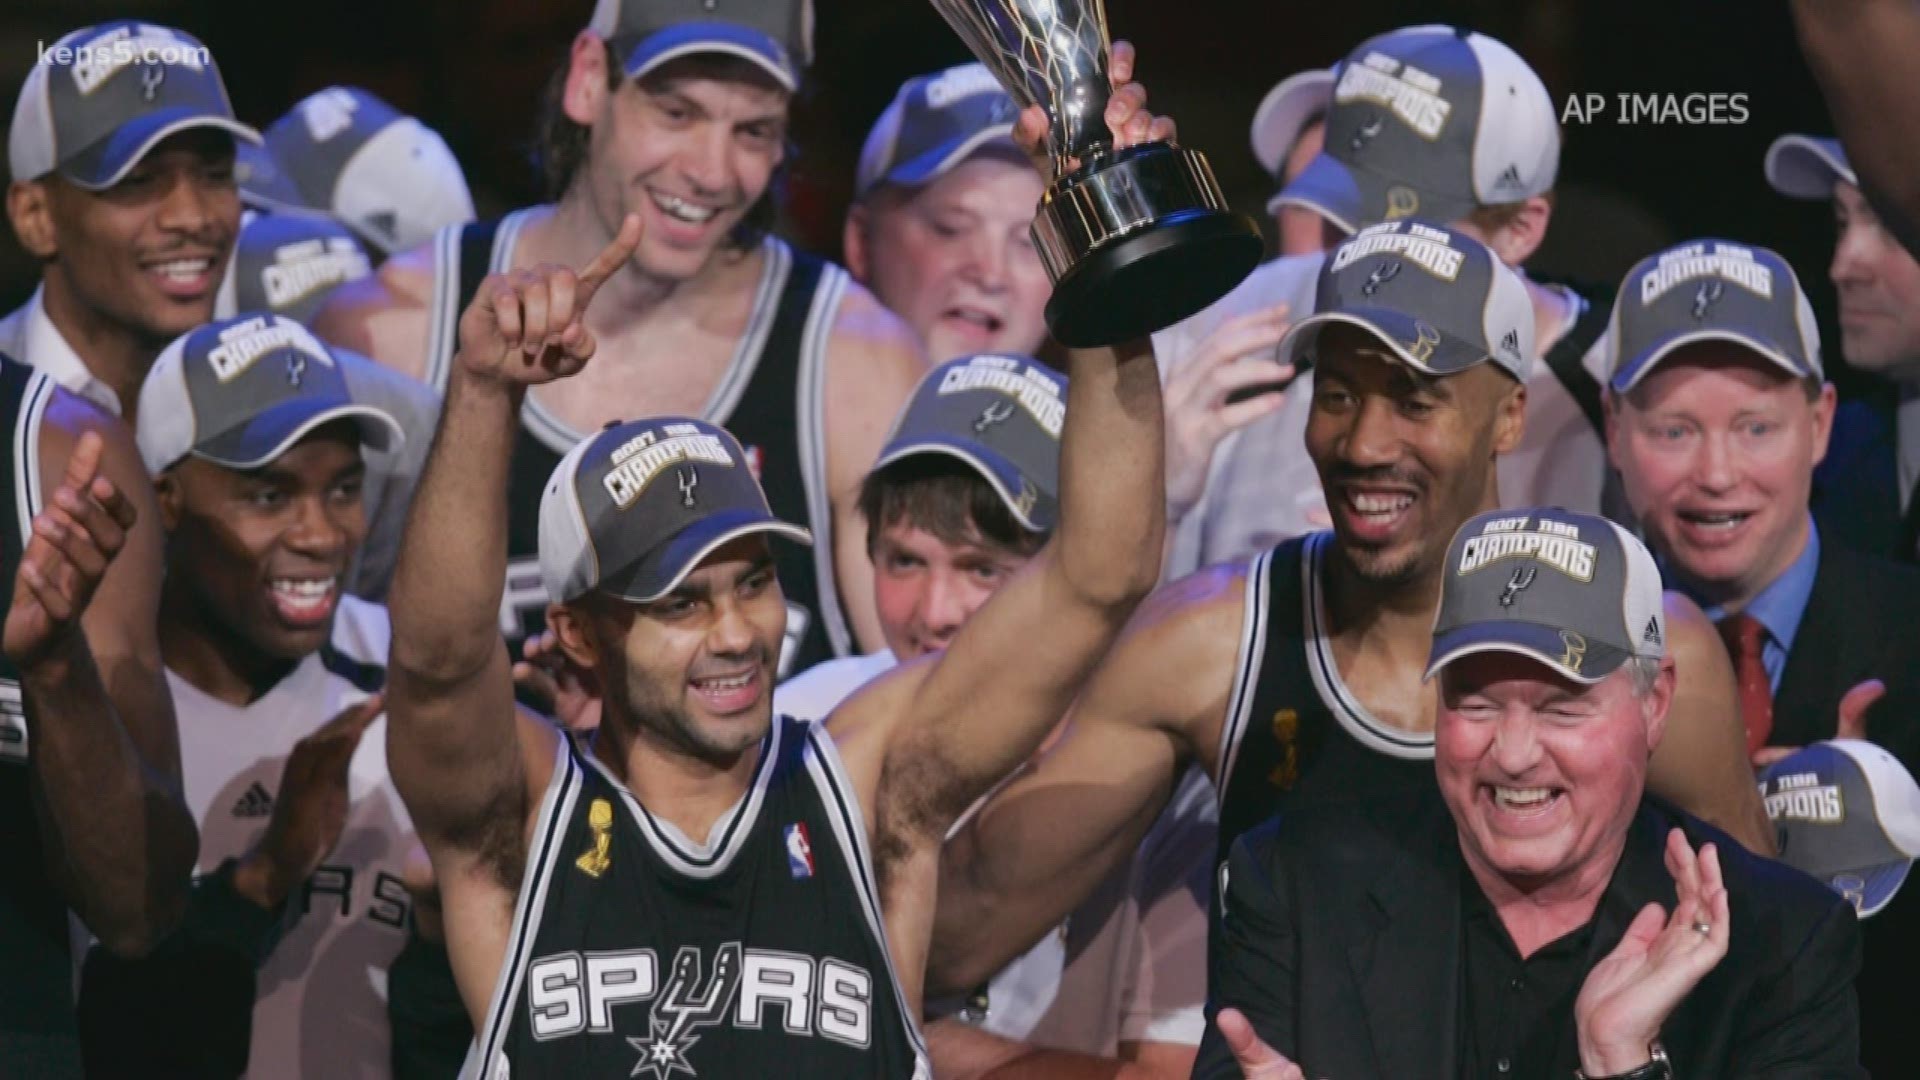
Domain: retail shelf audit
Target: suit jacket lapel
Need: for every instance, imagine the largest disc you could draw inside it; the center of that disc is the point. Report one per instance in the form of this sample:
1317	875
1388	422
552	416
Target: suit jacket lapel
1825	657
1406	962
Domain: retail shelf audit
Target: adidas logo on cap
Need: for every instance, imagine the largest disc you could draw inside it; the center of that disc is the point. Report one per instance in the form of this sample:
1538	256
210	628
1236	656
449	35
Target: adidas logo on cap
1651	635
1510	178
255	802
1511	343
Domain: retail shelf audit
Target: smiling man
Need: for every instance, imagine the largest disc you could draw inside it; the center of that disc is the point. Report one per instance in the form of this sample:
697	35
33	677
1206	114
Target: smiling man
1518	921
677	111
122	165
939	224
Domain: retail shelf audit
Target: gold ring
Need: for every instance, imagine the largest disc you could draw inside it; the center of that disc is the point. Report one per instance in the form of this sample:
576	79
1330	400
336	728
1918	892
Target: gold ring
1703	927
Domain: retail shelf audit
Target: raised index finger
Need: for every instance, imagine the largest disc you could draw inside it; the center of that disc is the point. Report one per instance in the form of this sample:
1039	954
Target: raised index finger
610	259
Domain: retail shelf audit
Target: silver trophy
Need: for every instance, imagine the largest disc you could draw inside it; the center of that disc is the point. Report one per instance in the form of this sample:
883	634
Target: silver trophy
1135	239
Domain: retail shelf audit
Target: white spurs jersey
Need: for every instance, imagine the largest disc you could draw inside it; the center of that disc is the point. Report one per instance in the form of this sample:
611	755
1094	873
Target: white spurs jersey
322	1005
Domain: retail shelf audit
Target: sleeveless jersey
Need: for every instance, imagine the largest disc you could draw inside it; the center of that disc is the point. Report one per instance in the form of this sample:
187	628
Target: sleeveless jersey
38	1036
635	952
771	398
321	1007
1294	729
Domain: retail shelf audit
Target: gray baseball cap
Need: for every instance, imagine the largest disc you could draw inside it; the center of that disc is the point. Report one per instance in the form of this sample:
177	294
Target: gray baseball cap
345	152
287	264
1433	122
1806	166
1711	290
241	392
633	510
643	34
1574	591
101	97
934	123
1436	296
1847	812
1001	415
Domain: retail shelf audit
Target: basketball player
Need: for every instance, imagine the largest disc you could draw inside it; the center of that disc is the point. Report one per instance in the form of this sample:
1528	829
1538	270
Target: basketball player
254	442
677	112
89	762
694	887
1298	675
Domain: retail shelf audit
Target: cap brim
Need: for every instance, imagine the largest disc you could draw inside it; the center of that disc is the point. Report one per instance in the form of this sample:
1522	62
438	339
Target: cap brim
1637	369
1285	112
1354	198
994	467
940	160
107	161
661	571
1803	167
1531	640
695	38
264	438
264	185
1880	884
1395	329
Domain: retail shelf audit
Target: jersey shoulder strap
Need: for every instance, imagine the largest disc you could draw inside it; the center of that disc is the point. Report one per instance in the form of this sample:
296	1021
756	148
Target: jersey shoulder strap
463	257
1566	357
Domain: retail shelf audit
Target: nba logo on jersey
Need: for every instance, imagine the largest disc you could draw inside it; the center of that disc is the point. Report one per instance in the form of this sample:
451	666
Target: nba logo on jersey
799	851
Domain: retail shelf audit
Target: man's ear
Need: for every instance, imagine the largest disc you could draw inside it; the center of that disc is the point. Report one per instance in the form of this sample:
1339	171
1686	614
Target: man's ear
1521	236
1824	404
586	88
166	492
573	635
855	243
1510	418
32	217
1659	702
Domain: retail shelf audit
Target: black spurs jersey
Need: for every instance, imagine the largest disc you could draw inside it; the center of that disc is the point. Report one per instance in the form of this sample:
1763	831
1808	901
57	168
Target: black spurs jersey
772	398
1294	729
636	952
38	1036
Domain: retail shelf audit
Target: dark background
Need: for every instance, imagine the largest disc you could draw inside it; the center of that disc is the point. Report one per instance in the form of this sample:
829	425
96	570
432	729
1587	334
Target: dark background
474	69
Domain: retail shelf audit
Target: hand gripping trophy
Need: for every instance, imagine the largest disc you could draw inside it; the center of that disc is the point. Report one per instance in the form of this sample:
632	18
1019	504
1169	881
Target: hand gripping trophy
1134	239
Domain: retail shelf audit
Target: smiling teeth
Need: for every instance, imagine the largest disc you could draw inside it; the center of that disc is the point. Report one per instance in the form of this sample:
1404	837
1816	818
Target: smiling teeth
304	589
1521	797
1380	504
734	683
683	210
185	268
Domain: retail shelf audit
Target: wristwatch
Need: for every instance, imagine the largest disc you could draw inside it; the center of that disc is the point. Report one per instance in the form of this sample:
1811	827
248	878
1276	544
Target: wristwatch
1659	1068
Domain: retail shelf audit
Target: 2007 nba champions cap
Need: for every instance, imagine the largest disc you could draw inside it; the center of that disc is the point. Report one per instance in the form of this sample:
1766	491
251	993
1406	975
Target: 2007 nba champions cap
1437	297
633	510
1806	166
1574	591
345	152
1434	122
1711	290
934	123
1002	415
286	264
643	34
1294	103
240	392
1846	812
100	98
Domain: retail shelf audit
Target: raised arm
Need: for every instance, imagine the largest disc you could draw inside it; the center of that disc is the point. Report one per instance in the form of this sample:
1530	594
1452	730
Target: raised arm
1041	844
1861	51
84	632
454	743
1701	762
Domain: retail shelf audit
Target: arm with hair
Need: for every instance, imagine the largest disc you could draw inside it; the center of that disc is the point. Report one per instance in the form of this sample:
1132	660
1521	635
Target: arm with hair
1701	763
872	368
1861	52
105	766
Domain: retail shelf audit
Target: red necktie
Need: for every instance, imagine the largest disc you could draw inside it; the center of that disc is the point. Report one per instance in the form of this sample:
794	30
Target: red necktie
1745	638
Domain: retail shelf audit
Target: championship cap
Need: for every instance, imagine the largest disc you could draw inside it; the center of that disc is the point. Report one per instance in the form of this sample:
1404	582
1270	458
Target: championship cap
347	153
1001	415
1439	298
1711	290
1434	122
1574	591
1847	812
643	34
934	123
1806	166
633	510
1296	101
101	97
240	392
287	263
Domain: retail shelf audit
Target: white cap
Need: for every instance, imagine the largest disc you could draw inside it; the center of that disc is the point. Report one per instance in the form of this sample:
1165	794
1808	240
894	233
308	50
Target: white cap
1285	112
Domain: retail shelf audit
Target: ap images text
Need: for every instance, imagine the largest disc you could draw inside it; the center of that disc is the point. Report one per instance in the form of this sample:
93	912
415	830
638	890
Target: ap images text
1649	108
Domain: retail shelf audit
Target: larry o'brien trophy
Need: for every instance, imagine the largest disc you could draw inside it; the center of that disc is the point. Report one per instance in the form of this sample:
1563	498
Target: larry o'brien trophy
1136	239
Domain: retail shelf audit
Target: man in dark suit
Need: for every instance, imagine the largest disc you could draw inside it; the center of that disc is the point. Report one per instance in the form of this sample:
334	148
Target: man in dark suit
1518	921
1863	490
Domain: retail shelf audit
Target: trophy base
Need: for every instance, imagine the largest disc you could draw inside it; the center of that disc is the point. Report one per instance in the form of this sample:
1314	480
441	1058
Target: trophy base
1137	240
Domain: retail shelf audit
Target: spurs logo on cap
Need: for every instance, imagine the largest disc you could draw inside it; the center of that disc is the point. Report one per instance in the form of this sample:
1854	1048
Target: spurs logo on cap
151	76
646	455
1522	577
1412	95
1708	295
1382	274
1728	262
1425	247
997	413
1365	133
689	479
296	368
1031	389
1555	544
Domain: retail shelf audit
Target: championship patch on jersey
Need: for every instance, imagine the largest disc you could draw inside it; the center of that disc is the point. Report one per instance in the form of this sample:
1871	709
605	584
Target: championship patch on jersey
596	859
799	851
